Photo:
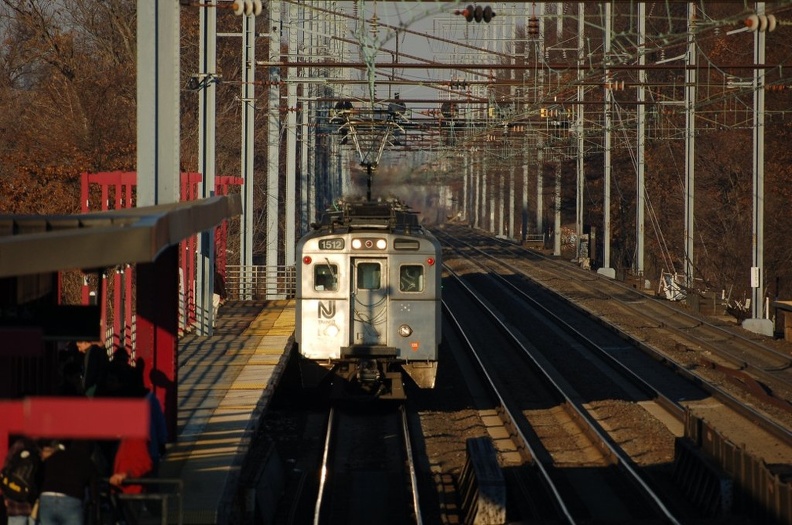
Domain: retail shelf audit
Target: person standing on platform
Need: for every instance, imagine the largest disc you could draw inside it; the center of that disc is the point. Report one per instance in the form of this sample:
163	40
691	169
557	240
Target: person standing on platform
95	364
69	475
132	460
22	472
71	380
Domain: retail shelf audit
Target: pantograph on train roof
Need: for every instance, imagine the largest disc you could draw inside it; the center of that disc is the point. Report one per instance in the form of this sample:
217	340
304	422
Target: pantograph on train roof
390	215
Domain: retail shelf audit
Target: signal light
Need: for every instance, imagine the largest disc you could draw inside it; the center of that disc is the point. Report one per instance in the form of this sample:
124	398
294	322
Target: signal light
476	13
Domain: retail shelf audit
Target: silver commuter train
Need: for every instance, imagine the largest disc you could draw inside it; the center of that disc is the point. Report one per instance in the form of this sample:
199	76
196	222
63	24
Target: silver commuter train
369	299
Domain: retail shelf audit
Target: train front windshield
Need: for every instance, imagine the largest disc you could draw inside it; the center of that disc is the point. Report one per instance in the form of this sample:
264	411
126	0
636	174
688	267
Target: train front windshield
368	276
411	278
326	277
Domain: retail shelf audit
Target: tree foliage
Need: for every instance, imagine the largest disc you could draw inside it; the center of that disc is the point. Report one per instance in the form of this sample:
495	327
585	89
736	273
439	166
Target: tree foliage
67	83
68	70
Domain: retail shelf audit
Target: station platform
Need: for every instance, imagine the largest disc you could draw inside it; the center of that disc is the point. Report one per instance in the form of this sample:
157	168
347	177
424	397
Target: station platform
226	382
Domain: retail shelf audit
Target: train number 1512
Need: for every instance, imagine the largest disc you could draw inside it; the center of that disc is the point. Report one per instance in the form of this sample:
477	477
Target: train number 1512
331	244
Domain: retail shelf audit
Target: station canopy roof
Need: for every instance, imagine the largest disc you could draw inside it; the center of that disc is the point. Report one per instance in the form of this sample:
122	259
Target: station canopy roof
35	244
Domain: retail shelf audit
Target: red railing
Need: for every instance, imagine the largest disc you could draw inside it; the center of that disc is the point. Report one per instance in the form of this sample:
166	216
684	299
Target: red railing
117	191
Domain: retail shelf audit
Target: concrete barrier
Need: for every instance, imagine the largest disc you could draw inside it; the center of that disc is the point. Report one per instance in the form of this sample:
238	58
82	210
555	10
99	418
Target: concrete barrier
482	485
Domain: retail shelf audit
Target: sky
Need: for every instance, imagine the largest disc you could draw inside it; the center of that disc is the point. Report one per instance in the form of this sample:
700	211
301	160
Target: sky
431	31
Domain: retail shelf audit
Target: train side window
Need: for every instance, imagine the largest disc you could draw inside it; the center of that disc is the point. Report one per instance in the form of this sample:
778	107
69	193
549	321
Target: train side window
411	278
368	276
326	277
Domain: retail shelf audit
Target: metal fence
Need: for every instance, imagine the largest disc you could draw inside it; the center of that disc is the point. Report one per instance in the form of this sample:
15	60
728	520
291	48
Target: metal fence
161	503
260	282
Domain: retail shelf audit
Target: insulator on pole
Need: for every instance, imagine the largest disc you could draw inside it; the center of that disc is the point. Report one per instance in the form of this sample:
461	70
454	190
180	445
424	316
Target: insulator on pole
488	14
466	12
771	23
247	7
533	26
752	22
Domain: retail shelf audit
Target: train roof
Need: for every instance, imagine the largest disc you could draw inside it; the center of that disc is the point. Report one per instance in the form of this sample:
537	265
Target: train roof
390	215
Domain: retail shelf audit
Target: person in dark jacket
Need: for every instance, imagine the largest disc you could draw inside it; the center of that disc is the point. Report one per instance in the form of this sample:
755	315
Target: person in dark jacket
95	366
69	475
19	512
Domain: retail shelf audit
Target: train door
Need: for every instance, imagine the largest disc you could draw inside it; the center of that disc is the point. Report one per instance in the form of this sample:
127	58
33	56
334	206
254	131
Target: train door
369	302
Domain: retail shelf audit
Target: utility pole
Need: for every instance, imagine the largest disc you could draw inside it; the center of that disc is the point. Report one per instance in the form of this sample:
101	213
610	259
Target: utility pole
690	142
580	171
606	234
272	197
207	58
758	323
641	153
157	102
248	96
291	144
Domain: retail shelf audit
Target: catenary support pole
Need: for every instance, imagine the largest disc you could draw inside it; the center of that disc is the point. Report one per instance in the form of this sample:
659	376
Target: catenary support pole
207	59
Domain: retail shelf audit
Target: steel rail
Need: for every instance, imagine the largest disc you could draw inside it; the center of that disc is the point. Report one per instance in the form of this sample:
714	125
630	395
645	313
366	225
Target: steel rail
718	393
621	459
323	474
783	359
559	502
411	464
667	403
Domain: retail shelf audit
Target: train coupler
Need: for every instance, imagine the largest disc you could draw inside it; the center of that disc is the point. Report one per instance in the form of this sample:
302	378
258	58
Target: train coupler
393	387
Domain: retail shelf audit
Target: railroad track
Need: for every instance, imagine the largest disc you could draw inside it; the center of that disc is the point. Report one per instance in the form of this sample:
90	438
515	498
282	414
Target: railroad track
336	461
502	282
368	472
700	349
559	432
693	333
458	410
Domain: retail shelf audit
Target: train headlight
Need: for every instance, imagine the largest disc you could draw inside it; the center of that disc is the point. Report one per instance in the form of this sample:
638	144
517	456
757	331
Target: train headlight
369	244
405	330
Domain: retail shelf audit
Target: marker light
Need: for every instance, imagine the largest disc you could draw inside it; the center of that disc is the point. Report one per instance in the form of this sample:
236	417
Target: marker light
307	259
430	261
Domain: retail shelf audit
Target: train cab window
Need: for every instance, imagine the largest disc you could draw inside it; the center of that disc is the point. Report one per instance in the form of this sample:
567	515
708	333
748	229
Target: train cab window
368	276
411	278
326	277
